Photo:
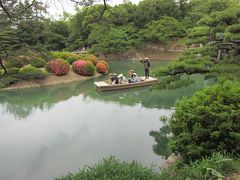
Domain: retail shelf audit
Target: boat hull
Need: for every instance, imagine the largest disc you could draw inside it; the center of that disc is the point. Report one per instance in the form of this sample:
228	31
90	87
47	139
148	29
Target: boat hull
104	86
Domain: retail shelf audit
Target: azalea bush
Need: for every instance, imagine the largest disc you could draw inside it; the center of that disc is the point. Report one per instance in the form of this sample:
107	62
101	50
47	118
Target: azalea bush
104	62
58	67
82	67
101	68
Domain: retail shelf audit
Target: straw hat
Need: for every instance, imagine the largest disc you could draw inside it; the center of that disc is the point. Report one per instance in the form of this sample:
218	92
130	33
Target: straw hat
113	74
146	58
120	75
135	74
130	72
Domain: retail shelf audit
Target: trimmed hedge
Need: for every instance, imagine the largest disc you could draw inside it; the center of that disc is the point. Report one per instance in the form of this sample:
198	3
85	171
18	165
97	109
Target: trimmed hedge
30	72
71	57
58	67
61	55
85	68
38	63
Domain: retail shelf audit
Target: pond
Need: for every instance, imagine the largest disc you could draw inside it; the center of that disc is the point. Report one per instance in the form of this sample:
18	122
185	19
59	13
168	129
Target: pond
50	131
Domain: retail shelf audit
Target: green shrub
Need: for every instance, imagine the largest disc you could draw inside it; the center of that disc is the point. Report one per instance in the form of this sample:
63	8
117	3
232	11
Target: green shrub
7	80
61	55
38	63
30	72
13	71
90	69
72	59
23	59
207	122
13	63
113	169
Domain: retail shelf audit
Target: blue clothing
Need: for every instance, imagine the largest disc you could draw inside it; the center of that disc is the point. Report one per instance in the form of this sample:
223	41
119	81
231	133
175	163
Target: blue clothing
134	79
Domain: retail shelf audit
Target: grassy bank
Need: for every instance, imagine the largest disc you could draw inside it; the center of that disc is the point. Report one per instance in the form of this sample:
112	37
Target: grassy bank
217	166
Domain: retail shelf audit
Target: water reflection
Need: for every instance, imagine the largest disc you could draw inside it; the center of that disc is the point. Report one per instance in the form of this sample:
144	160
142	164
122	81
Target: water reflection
161	138
23	103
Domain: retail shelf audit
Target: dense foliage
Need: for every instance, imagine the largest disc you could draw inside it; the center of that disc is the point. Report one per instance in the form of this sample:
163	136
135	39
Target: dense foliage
208	122
163	31
215	38
58	67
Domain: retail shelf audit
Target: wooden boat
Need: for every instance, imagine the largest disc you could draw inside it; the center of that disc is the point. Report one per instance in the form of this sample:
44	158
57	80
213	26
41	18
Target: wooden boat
106	86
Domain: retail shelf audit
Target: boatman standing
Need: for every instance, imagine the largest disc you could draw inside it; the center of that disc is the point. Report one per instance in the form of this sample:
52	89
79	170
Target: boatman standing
146	64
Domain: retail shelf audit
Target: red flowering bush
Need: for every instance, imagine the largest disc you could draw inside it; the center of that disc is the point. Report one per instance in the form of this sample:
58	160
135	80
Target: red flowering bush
58	67
104	62
82	67
101	68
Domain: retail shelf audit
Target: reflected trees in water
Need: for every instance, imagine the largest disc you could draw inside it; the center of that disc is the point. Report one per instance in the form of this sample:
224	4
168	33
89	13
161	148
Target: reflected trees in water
161	138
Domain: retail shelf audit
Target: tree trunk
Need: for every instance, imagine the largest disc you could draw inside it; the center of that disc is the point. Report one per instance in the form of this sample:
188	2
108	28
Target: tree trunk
158	46
165	48
2	66
219	55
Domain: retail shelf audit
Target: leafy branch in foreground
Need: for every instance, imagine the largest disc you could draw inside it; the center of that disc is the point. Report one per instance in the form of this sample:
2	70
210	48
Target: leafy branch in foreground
207	122
219	33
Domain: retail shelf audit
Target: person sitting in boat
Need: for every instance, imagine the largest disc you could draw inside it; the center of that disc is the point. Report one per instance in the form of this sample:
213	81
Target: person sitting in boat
134	78
130	73
114	78
122	79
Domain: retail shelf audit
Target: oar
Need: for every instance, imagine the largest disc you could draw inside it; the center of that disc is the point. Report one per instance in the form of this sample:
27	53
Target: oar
143	63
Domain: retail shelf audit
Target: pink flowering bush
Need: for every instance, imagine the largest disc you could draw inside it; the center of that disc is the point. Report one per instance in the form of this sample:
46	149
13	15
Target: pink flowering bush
58	67
85	68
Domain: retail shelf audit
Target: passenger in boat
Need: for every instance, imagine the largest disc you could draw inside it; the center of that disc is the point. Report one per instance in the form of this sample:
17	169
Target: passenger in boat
134	78
122	79
130	73
114	78
146	65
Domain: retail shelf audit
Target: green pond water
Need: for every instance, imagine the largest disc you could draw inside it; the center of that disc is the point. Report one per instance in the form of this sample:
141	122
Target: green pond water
50	131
